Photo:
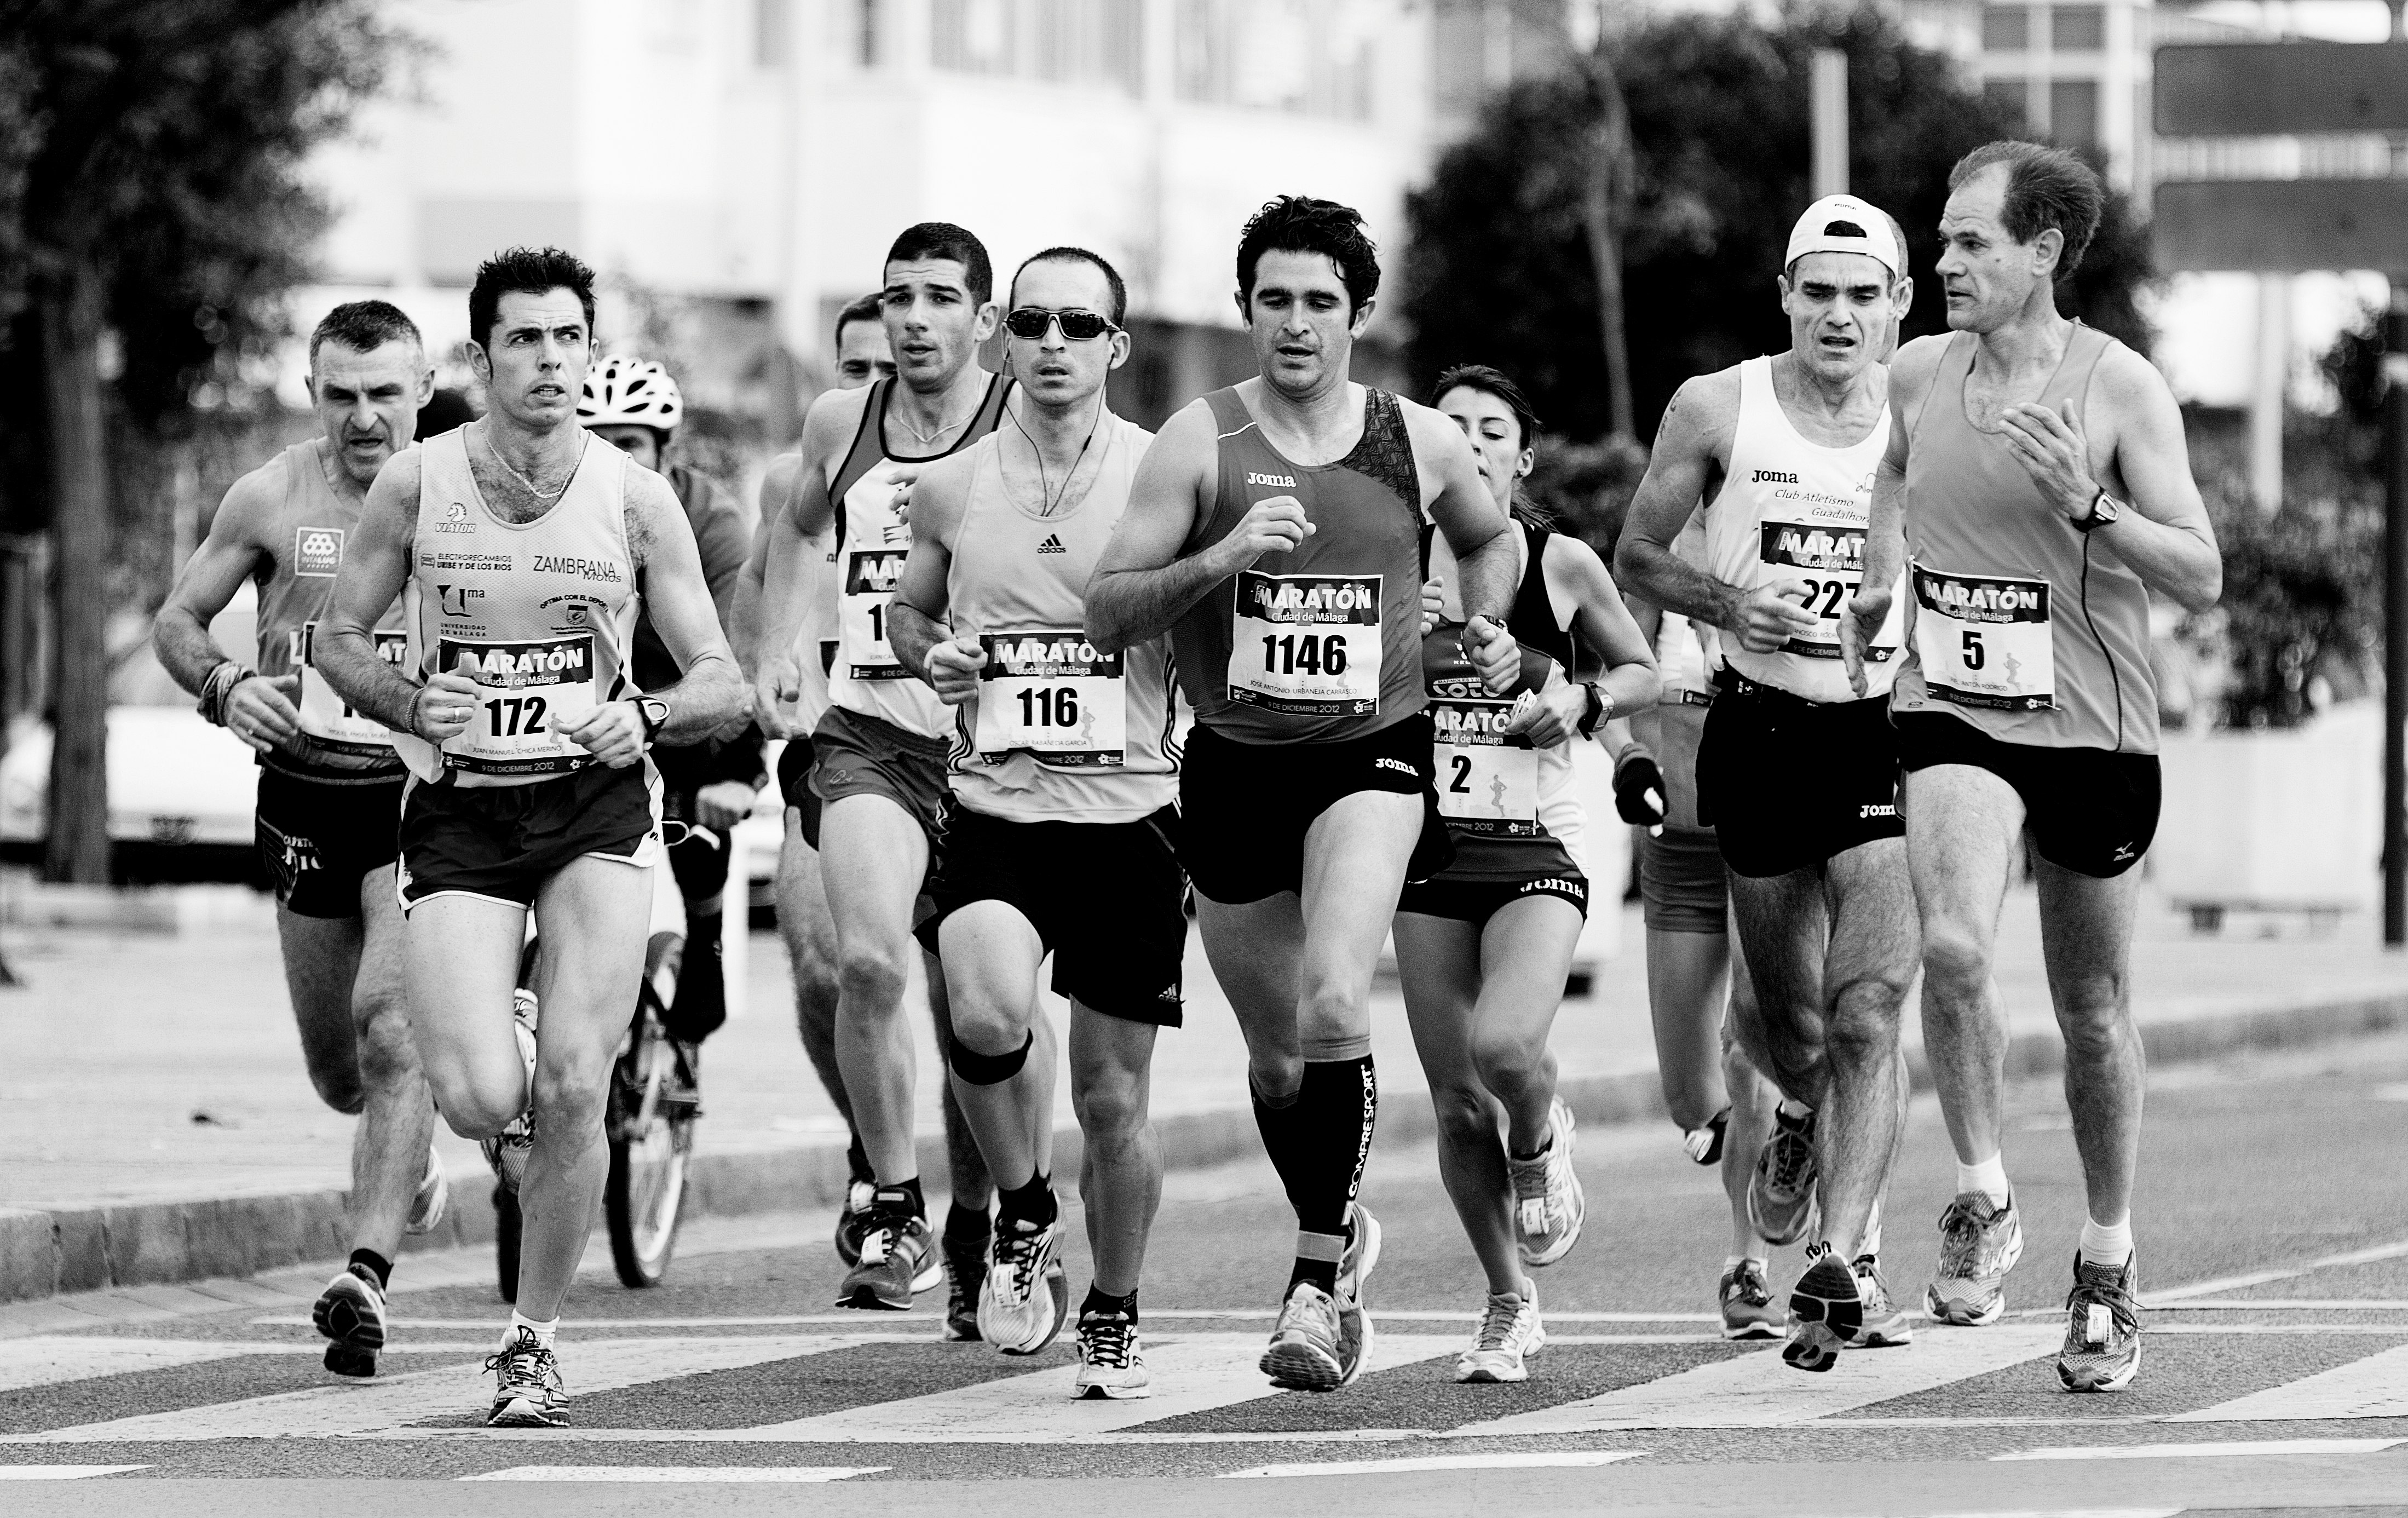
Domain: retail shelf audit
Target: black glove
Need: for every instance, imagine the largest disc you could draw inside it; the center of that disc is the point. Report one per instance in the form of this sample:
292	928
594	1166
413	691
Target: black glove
1635	775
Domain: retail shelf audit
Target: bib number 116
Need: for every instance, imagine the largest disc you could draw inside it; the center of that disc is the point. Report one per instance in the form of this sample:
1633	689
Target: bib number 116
1054	707
1309	654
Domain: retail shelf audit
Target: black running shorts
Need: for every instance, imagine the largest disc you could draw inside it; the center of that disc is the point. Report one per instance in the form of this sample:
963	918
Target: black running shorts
795	784
1478	900
503	842
1787	783
2093	811
1108	898
316	840
1682	888
858	756
1244	807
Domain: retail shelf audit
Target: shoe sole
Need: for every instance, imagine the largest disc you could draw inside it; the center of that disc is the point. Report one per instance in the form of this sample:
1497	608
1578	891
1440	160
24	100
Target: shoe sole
1056	1286
847	1239
1540	1260
1370	1259
1895	1336
1820	1325
866	1299
435	1212
1097	1391
357	1337
961	1330
1482	1376
1751	1330
1956	1315
1301	1368
2111	1384
523	1413
929	1275
1802	1225
1813	1346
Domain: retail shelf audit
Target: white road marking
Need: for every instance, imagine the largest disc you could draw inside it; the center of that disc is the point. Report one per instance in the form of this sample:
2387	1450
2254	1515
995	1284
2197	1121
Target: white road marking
2207	1447
2294	1304
62	1473
387	1403
2374	1387
48	1359
1757	1391
2259	1278
403	1320
677	1473
1525	1461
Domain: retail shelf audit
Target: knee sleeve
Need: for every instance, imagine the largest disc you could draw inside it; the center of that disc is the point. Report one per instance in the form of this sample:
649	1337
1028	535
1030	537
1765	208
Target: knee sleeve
979	1069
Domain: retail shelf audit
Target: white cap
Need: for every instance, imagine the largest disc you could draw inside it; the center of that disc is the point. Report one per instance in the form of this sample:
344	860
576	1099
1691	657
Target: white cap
1844	224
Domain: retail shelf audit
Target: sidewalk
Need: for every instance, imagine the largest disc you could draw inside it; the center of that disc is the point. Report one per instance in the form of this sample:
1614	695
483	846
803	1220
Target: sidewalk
156	1122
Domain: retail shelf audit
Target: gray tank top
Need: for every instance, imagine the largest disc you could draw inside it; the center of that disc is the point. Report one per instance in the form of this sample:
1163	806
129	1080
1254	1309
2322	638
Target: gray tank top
2028	629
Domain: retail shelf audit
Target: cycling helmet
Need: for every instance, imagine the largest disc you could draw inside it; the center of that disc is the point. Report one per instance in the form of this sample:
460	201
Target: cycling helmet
629	392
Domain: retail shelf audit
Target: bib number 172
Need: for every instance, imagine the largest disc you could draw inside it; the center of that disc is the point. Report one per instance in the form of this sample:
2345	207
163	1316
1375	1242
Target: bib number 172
511	716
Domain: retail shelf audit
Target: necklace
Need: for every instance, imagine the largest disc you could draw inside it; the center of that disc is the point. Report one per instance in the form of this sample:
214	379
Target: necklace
1047	499
926	439
539	494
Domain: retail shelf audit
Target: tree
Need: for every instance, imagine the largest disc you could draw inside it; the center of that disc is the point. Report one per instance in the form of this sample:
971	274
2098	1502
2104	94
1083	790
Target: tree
1500	270
158	216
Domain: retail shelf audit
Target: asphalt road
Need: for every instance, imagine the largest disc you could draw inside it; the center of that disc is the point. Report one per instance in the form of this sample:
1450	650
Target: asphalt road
2274	1227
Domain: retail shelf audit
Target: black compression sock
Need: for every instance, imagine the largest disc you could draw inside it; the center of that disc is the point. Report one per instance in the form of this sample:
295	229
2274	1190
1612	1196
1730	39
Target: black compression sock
374	1262
1031	1203
966	1226
1327	1136
856	1162
905	1193
1102	1305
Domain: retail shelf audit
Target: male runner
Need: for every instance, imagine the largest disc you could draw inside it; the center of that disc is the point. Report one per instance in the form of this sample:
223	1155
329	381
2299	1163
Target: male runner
1058	836
1797	772
329	786
1274	529
2037	489
879	750
517	542
634	405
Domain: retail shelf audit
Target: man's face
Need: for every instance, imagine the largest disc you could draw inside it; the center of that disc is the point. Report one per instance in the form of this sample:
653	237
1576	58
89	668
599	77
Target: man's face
640	443
862	354
1842	309
932	322
1302	328
1054	370
367	403
1986	275
536	356
1495	436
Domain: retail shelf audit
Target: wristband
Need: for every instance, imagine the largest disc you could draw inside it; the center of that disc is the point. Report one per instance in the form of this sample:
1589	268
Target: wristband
1600	711
219	687
415	698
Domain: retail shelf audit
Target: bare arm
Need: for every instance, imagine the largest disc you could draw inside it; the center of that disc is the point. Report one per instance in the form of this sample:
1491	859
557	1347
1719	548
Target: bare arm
711	691
1458	502
917	614
744	614
1684	467
1142	585
1605	623
375	564
790	562
256	710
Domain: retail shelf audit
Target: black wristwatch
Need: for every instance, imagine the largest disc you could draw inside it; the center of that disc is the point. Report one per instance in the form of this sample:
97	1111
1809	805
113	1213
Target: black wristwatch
1600	707
653	713
2104	509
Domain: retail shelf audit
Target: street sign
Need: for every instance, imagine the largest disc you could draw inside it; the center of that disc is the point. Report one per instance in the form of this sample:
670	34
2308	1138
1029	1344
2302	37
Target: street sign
2280	89
2282	227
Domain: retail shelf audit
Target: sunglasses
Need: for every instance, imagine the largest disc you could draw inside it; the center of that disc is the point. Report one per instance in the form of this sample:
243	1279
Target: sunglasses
1077	326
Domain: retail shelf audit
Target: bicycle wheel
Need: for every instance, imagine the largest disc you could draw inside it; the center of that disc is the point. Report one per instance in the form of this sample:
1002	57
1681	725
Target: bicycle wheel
650	1126
506	1242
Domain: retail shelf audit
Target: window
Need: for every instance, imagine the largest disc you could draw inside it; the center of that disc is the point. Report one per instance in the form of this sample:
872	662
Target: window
2006	28
1310	57
2010	96
772	42
2073	113
2077	29
1061	42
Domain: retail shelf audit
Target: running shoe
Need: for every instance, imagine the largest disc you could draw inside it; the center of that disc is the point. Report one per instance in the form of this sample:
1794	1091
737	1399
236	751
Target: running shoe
1781	1194
1746	1300
853	1220
1548	1203
897	1260
351	1313
506	1152
964	1261
434	1198
1826	1310
527	1388
1111	1363
1887	1324
1980	1242
1321	1343
2102	1329
1024	1297
1705	1144
1361	1255
1509	1332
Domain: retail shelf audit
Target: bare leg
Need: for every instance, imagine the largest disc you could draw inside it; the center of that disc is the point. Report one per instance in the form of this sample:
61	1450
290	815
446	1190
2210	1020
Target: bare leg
1964	828
873	862
1686	975
964	1167
2087	940
1866	971
1112	1063
1525	950
991	959
809	934
1438	959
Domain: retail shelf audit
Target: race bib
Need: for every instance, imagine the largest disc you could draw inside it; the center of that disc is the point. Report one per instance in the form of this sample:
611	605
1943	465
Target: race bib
1831	561
1307	645
1984	640
325	716
870	560
529	689
1046	692
1488	781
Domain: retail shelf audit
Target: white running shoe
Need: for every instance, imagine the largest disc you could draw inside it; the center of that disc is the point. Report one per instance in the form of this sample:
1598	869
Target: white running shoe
1111	1361
1362	1252
1549	1206
1025	1297
434	1198
1322	1341
351	1313
1509	1332
528	1392
506	1152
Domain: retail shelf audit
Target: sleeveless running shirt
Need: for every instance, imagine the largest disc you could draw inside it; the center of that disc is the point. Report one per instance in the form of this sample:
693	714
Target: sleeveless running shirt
871	543
1793	509
1058	731
1323	643
1501	797
2026	628
541	613
313	524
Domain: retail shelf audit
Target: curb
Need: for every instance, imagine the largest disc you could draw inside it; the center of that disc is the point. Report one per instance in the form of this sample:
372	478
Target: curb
43	1254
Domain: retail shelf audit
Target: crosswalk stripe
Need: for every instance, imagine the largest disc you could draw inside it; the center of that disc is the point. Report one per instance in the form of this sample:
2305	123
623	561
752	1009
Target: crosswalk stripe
2374	1387
337	1410
1757	1391
62	1473
1527	1460
1192	1373
2227	1447
48	1359
777	1474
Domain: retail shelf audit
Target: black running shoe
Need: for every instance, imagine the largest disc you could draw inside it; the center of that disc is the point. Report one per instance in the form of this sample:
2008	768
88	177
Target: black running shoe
1824	1311
965	1278
895	1259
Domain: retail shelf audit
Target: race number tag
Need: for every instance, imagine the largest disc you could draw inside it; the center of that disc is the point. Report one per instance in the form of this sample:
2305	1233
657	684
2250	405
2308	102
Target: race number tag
1047	693
1984	640
1488	781
529	689
1831	561
1307	645
324	714
869	564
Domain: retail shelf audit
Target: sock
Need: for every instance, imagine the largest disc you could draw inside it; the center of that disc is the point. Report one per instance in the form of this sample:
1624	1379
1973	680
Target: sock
1101	1303
1989	1178
1318	1144
1796	1112
542	1331
966	1226
1541	1153
903	1194
1732	1262
1872	1232
856	1162
1031	1203
2107	1243
378	1262
699	1008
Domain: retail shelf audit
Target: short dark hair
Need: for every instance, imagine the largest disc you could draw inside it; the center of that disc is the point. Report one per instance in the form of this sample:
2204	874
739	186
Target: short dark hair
866	309
365	325
2046	187
1067	254
1491	380
1300	225
942	239
527	271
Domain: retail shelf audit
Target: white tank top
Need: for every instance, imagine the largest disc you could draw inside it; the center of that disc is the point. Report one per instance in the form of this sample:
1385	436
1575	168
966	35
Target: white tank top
1058	731
1791	510
542	613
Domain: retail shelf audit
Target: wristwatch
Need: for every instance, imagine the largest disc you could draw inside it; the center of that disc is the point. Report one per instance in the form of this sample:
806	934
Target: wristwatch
1601	709
654	714
2104	509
